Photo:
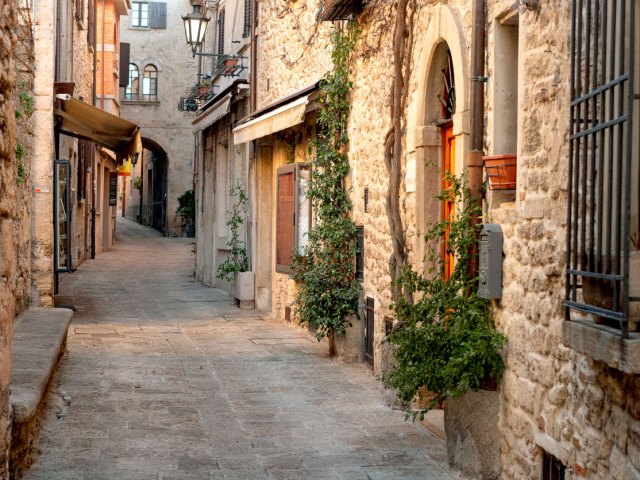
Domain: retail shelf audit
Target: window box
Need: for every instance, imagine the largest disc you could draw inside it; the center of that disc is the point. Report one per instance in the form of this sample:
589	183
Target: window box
501	171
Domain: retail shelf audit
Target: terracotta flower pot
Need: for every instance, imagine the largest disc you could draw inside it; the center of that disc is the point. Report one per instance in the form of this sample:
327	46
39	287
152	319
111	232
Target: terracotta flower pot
501	171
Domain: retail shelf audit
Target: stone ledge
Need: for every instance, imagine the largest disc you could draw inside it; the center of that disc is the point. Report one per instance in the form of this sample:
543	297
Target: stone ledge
39	336
604	344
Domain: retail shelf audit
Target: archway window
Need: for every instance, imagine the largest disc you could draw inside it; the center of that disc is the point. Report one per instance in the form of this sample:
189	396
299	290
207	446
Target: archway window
150	84
133	88
447	96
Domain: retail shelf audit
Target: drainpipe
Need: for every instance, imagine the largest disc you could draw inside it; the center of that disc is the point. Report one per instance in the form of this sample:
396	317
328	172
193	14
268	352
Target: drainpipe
476	98
253	62
93	147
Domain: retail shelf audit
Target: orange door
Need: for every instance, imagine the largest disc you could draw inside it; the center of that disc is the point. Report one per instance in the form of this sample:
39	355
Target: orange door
448	204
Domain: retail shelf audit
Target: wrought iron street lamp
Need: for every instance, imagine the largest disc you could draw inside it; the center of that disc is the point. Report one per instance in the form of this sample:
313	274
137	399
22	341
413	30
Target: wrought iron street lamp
195	25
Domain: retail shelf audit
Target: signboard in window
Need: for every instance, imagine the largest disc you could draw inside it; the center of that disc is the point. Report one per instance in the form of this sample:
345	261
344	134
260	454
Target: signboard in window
113	189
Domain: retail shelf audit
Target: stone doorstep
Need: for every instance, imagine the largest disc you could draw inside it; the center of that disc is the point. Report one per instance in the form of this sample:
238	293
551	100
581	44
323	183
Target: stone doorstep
38	341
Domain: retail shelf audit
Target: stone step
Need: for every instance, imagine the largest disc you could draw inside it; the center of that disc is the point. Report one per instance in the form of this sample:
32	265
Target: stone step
39	339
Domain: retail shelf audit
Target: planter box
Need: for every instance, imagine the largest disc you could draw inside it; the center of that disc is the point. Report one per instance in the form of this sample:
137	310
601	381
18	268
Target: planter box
244	289
501	171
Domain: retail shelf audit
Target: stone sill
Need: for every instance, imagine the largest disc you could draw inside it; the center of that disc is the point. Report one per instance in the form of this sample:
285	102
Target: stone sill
139	102
603	344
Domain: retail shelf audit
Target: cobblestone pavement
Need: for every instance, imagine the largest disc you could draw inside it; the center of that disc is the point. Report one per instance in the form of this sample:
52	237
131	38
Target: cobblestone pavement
165	379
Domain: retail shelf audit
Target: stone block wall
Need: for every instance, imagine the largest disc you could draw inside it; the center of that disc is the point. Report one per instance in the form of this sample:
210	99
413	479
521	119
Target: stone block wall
12	210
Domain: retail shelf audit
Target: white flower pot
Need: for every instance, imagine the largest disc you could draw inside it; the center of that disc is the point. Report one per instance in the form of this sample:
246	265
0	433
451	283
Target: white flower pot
244	289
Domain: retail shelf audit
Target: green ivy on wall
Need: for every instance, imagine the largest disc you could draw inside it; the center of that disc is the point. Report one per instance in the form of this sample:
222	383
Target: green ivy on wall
328	290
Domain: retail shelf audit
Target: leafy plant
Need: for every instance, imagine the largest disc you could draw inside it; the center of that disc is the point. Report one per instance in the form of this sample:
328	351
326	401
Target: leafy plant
137	184
446	341
186	207
22	172
26	104
328	290
237	261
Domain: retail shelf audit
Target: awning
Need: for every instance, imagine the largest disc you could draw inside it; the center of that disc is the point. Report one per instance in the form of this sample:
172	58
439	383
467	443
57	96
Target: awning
81	120
331	10
281	118
213	113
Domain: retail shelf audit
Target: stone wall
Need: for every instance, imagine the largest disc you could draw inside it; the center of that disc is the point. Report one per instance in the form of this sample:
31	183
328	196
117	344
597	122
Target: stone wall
161	122
11	215
292	48
553	398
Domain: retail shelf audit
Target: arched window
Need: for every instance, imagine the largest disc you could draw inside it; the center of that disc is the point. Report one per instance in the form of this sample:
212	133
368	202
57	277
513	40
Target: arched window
150	84
448	95
133	88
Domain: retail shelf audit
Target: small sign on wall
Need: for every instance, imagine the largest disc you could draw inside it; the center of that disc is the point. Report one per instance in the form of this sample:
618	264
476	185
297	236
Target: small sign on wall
113	189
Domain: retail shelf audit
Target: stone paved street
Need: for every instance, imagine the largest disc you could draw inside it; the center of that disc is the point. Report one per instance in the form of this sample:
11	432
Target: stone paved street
165	379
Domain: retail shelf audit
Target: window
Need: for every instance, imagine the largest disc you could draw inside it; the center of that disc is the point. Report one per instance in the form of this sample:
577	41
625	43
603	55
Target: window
133	88
246	31
293	212
552	468
602	216
91	20
150	84
139	14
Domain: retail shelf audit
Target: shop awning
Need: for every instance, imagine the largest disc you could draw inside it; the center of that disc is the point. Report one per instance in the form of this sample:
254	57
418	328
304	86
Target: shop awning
213	113
281	118
81	120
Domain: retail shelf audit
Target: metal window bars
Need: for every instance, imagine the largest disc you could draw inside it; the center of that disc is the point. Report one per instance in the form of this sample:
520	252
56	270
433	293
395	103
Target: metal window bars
603	168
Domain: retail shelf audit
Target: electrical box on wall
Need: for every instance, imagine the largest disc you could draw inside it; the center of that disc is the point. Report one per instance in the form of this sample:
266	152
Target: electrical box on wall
490	262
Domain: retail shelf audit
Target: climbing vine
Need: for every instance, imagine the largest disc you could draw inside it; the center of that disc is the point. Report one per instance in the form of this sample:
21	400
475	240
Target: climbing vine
328	290
402	51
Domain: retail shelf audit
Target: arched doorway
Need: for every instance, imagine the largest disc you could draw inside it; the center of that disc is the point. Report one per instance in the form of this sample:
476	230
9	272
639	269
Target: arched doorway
147	191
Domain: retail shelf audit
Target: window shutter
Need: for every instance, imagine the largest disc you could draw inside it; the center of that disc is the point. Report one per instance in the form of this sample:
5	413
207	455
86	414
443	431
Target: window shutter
247	18
285	220
221	33
157	15
125	56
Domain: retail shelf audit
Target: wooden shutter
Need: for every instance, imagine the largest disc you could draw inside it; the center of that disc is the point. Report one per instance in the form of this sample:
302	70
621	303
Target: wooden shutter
157	15
285	226
221	33
246	31
91	24
125	56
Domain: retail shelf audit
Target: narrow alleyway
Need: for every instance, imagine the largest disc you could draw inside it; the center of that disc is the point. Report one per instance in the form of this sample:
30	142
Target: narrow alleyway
165	379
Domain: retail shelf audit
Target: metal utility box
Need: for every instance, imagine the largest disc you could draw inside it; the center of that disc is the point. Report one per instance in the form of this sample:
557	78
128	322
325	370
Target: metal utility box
490	262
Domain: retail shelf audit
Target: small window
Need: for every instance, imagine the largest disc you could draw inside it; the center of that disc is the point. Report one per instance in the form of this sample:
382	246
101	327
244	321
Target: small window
360	253
293	214
552	468
133	87
139	14
150	84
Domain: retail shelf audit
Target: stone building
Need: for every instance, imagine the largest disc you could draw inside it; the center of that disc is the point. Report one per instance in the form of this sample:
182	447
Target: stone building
160	67
222	169
568	402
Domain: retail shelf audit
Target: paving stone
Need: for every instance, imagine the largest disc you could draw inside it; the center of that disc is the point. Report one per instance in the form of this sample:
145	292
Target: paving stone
168	380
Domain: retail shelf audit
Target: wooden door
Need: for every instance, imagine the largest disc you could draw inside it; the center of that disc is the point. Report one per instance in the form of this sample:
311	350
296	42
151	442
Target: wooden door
448	204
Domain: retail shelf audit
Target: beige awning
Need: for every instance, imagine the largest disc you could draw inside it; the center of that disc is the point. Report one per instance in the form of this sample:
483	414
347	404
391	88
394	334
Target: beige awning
213	113
274	121
81	120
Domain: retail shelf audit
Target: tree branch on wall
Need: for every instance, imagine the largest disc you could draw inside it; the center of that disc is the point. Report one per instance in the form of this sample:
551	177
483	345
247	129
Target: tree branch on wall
402	53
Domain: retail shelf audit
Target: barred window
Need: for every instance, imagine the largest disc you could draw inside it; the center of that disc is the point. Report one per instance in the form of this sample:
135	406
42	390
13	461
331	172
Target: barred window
603	216
246	31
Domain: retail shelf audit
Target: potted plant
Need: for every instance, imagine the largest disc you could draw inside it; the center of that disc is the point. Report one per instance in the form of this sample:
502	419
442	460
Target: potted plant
236	266
230	65
187	210
501	171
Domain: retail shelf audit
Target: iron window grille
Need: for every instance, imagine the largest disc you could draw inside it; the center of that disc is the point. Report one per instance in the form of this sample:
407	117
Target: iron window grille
552	468
603	162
